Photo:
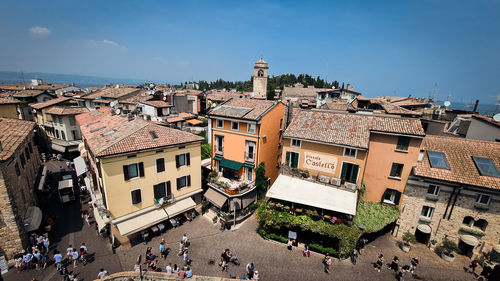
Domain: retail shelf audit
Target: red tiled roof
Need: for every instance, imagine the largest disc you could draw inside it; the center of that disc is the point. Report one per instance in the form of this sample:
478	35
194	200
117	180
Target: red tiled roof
8	100
219	95
157	103
49	102
243	108
112	93
12	134
108	134
29	93
458	153
186	115
175	119
142	96
58	110
347	128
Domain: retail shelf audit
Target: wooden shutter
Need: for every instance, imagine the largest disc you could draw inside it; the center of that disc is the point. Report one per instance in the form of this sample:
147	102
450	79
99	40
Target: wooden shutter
155	191
188	180
177	161
188	159
125	172
343	173
394	169
178	183
287	162
354	174
397	197
169	190
295	160
141	169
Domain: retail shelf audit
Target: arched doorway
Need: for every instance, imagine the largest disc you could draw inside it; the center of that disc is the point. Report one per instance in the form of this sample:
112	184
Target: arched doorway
467	244
423	233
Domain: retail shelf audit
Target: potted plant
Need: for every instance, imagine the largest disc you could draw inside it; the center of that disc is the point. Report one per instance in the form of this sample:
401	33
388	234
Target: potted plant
448	247
407	239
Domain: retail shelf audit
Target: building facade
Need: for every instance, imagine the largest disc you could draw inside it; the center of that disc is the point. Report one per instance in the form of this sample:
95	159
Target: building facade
260	75
9	107
19	165
244	133
141	174
454	193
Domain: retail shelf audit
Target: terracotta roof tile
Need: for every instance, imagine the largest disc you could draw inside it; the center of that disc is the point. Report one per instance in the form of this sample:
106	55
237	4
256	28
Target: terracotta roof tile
8	100
346	128
141	96
157	103
12	134
458	153
49	102
243	108
58	110
112	93
29	93
108	134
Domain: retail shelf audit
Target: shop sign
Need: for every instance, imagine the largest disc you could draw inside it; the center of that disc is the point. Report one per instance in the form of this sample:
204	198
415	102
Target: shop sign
320	162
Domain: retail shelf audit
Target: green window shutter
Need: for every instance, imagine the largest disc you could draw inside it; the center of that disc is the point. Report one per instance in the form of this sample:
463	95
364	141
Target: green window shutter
295	160
125	172
394	169
343	173
397	197
287	158
354	174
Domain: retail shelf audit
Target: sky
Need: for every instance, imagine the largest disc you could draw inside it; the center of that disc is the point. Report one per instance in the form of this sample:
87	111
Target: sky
447	48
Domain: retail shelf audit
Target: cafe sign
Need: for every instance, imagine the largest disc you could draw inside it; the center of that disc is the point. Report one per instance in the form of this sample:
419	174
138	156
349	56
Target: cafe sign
320	162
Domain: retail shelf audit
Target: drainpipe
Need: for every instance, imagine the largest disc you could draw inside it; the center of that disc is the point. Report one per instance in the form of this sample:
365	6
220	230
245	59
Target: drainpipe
449	202
455	201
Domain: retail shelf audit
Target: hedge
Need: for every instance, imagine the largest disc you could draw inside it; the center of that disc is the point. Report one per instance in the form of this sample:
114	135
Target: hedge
374	216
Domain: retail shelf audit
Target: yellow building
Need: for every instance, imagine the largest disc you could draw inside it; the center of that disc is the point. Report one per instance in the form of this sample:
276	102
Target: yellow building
141	174
327	156
8	108
244	133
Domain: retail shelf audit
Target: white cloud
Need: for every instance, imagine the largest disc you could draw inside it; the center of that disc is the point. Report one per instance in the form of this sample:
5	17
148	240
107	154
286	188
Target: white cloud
40	31
112	43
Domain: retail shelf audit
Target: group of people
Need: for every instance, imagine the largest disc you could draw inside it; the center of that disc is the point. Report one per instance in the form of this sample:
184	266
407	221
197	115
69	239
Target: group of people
395	265
37	257
226	257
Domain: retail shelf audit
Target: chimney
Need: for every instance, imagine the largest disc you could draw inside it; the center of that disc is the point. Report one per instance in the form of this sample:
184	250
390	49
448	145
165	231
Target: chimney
348	86
475	106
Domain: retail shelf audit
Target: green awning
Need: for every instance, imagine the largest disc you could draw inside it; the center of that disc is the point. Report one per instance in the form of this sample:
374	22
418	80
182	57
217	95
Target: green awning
250	141
230	164
219	135
217	158
249	165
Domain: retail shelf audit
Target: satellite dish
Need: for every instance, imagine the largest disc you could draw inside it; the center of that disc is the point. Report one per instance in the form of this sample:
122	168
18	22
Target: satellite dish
447	103
497	117
117	111
164	98
112	104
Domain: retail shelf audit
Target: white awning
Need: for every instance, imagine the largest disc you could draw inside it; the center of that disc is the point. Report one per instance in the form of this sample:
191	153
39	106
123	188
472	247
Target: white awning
32	218
155	216
424	228
317	195
101	223
57	147
43	178
80	166
469	240
65	184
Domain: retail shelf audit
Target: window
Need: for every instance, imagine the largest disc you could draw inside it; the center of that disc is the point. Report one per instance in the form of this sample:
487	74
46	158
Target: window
433	190
481	224
251	128
30	147
250	151
281	122
295	143
483	199
391	196
27	153
57	133
160	165
260	73
136	196
437	160
18	171
349	173
183	182
72	120
63	135
427	212
75	134
486	167
160	190
396	170
292	159
350	152
23	160
249	173
468	221
183	159
220	123
133	171
403	143
235	126
219	144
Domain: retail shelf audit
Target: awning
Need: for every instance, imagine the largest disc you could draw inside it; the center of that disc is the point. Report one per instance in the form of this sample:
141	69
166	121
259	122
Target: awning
32	219
469	240
424	228
80	166
43	178
65	184
215	198
155	216
194	122
249	165
313	194
57	147
230	164
101	224
217	158
497	249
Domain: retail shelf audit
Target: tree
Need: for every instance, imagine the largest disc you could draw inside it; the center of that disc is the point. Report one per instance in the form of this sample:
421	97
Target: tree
335	84
206	151
261	180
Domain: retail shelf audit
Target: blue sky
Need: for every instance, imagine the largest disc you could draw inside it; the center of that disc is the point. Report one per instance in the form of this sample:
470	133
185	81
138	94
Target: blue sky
380	47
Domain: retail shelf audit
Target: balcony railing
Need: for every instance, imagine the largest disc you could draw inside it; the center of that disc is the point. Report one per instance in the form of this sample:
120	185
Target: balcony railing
169	199
232	187
219	150
250	157
48	124
317	178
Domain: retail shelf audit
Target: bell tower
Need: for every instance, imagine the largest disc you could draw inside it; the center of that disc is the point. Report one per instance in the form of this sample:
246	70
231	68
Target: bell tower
260	74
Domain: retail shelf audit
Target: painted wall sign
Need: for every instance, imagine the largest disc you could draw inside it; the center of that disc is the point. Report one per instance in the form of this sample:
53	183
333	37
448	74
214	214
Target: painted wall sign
320	162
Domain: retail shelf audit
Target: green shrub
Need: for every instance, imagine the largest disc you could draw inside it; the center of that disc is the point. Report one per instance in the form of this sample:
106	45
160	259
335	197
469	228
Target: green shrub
206	151
449	246
214	219
273	236
320	249
409	238
375	216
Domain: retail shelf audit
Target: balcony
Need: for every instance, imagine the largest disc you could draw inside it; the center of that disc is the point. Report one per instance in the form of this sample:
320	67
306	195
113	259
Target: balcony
231	187
249	157
219	150
167	200
48	124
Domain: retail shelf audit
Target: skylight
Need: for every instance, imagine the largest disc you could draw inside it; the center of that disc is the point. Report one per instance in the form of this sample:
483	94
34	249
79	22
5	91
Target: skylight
107	133
90	124
437	160
96	113
153	134
98	129
486	167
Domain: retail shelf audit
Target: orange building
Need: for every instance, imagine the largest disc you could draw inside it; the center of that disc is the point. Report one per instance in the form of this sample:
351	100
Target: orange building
244	133
332	154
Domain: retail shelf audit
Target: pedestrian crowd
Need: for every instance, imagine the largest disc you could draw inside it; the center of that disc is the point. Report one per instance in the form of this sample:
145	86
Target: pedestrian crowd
35	257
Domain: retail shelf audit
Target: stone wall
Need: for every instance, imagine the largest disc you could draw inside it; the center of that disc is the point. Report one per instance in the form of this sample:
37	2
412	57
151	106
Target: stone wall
156	276
453	228
17	193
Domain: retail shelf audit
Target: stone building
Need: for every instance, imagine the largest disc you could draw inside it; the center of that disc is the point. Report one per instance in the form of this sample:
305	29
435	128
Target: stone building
19	164
260	75
454	192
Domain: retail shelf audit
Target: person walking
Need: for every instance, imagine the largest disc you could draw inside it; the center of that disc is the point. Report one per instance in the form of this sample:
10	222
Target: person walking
250	268
58	260
414	263
163	249
306	252
395	264
185	258
400	275
46	244
189	272
256	276
185	240
69	252
379	262
74	256
102	273
168	269
327	262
